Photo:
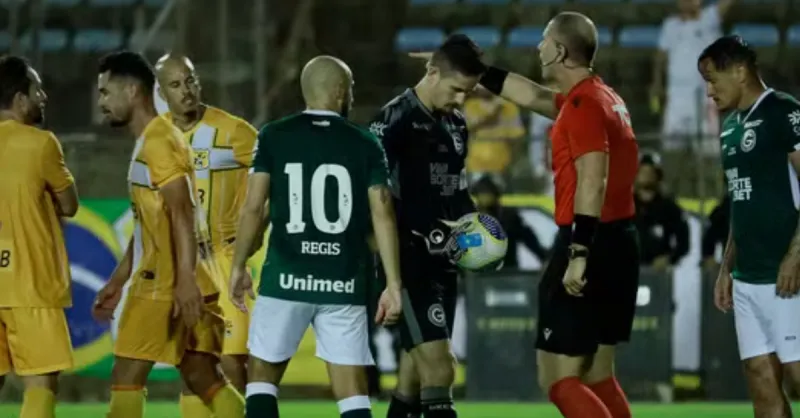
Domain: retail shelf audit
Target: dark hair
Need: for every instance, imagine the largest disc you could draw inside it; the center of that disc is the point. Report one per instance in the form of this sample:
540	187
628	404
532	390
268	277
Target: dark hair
13	79
129	64
653	160
461	54
728	51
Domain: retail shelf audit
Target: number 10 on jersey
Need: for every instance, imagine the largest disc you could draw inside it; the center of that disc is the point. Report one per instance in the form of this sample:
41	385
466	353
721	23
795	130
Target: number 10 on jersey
316	200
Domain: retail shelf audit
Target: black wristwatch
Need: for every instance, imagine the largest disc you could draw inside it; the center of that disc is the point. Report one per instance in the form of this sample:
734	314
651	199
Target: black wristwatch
578	253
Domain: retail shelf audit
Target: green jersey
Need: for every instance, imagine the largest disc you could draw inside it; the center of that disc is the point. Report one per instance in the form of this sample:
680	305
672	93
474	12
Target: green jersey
320	168
762	183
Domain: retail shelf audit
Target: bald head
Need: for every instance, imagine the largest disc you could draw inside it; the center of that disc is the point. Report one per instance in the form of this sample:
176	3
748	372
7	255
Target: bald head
578	34
326	82
178	85
173	63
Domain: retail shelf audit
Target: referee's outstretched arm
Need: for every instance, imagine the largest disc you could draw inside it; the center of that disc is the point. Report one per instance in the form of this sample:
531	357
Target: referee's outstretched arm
521	91
515	88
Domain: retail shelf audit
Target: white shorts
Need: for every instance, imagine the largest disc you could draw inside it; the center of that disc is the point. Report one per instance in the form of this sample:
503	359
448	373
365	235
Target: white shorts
766	323
277	326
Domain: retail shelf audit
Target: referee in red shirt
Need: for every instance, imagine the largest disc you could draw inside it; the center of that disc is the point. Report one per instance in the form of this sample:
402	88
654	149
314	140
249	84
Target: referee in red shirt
587	295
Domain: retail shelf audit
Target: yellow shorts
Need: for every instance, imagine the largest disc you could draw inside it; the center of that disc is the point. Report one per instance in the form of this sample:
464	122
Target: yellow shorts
237	322
147	331
34	341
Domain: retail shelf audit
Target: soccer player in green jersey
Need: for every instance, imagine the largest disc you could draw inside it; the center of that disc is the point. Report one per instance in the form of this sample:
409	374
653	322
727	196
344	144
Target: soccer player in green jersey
325	179
760	273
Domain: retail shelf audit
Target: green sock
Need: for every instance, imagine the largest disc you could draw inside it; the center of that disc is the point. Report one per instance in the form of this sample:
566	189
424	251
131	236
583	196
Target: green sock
355	407
261	401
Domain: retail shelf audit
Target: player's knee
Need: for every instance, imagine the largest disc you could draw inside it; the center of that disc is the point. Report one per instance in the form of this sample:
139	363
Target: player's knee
130	372
47	381
601	367
554	367
765	389
200	373
793	370
261	371
438	371
348	381
235	369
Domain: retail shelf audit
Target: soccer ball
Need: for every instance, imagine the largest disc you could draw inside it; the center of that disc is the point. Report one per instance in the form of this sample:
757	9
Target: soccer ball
482	241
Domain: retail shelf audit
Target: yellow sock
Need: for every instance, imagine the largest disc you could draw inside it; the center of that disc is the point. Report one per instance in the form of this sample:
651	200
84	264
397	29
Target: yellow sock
127	402
227	402
193	407
38	402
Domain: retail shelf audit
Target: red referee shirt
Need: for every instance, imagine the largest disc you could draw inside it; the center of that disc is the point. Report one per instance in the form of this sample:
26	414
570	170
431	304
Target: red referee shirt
592	117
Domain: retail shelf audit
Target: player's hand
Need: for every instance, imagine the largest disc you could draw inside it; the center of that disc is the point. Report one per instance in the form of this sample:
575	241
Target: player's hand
390	306
188	303
443	239
574	277
723	290
421	55
788	277
107	300
241	285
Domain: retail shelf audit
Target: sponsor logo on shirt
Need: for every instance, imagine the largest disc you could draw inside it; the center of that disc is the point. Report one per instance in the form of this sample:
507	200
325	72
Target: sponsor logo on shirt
377	128
753	123
794	119
421	126
316	284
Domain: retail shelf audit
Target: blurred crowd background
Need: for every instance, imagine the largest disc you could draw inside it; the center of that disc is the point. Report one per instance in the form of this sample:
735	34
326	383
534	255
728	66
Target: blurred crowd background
249	54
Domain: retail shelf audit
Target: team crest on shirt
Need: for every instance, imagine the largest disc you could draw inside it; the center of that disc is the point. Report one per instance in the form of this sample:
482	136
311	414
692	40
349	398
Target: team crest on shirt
748	140
458	142
202	159
436	315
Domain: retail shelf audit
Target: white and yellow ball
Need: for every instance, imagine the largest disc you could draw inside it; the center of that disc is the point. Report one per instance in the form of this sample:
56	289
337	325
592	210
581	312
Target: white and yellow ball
483	241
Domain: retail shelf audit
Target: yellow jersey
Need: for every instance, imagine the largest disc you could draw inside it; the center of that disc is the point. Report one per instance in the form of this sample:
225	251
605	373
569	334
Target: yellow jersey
223	151
159	157
34	270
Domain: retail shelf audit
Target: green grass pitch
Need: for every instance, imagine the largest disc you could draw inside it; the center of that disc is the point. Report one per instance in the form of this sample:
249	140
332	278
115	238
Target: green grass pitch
319	409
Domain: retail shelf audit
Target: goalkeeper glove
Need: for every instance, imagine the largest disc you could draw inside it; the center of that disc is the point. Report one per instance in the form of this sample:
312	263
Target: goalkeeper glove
443	239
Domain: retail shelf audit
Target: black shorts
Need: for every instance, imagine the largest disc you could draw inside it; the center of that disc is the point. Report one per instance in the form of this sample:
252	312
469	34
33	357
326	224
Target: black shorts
575	326
430	291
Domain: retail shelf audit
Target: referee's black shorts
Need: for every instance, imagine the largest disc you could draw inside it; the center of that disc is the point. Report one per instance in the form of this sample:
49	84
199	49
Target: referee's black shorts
575	326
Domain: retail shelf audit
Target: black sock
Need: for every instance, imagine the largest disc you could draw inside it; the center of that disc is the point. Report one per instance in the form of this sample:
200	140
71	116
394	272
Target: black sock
261	406
437	402
403	407
261	400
